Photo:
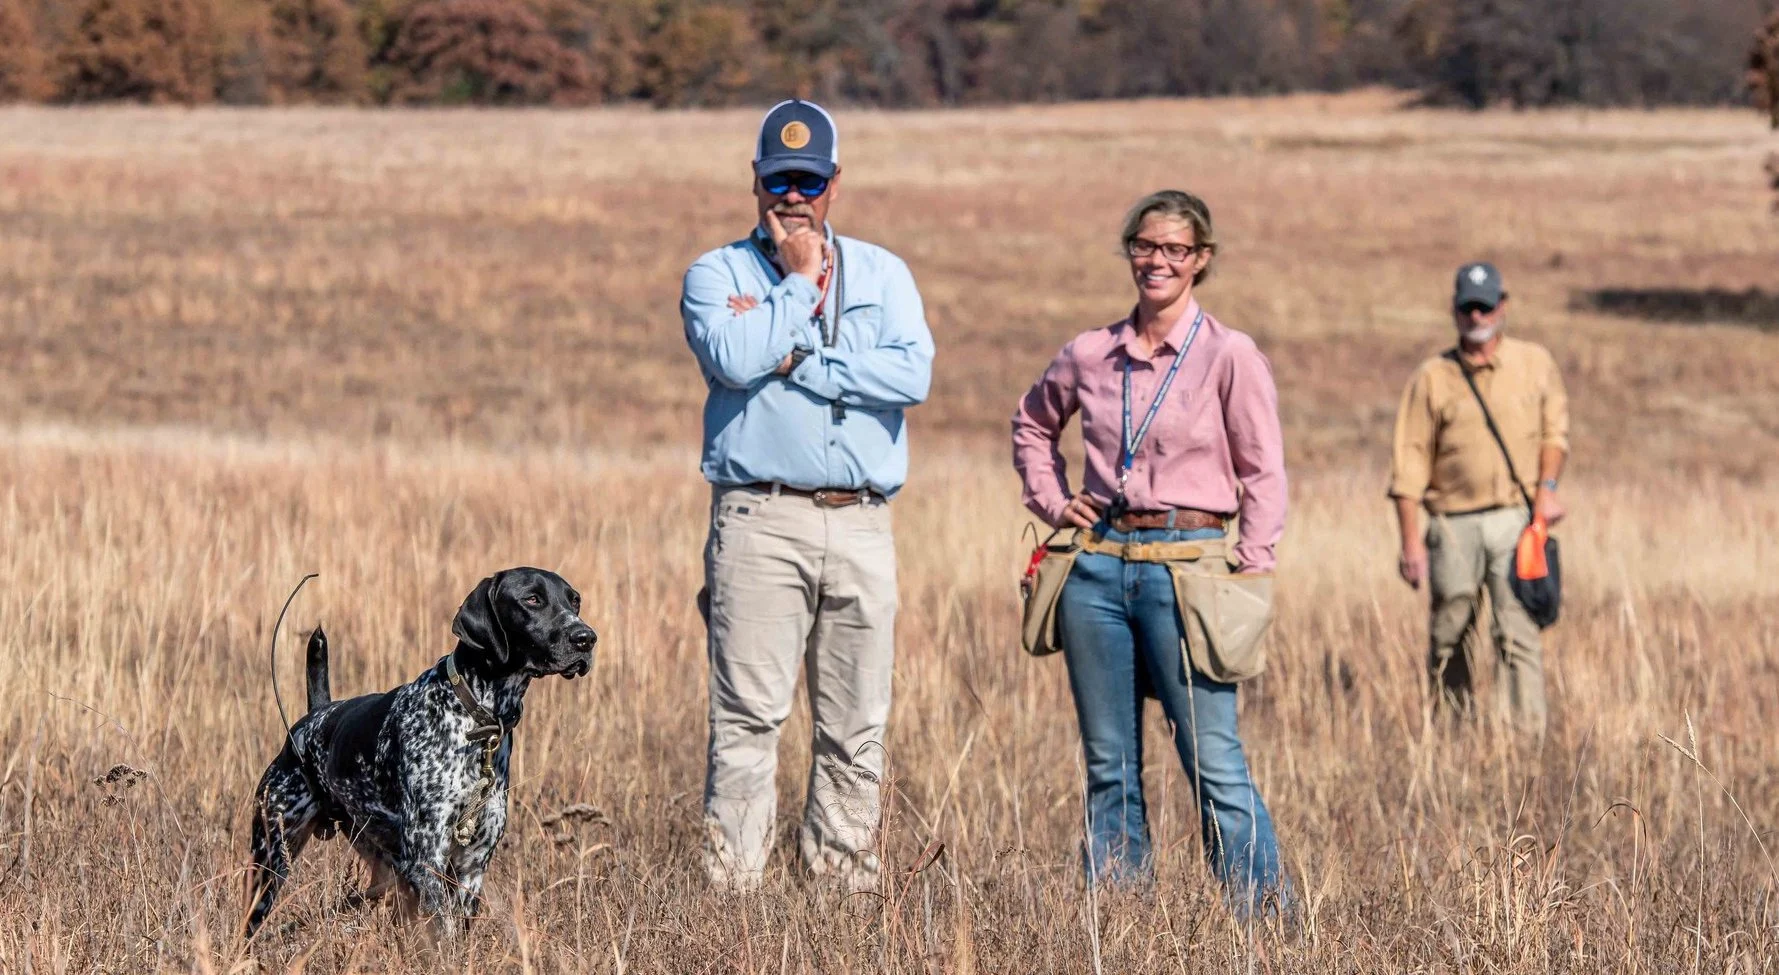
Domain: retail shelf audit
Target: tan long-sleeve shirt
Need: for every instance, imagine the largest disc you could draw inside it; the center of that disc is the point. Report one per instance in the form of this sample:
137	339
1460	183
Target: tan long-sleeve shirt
1443	453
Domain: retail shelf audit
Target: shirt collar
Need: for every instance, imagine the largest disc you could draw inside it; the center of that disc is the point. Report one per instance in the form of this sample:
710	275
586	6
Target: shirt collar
1479	364
1176	336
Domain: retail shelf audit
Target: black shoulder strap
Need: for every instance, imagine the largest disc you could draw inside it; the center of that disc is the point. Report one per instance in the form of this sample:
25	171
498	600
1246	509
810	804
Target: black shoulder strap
1464	367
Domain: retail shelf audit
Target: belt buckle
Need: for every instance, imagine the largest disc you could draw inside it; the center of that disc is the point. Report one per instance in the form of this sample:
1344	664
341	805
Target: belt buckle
826	498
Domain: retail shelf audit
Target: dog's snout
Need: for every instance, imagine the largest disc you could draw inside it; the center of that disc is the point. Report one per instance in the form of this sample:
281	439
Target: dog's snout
582	638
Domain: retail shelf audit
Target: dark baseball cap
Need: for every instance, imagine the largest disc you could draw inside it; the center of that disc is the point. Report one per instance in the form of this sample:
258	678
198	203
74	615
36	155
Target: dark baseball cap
1478	284
797	136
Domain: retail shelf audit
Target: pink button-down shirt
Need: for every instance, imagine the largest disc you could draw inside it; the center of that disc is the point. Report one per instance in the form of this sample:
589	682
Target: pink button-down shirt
1215	444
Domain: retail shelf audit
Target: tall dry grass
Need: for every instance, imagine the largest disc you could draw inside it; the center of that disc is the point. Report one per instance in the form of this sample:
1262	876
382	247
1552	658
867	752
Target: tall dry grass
405	350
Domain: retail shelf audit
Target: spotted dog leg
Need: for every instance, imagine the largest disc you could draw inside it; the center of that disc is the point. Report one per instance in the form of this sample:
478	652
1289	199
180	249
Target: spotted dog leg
470	864
284	817
468	888
424	864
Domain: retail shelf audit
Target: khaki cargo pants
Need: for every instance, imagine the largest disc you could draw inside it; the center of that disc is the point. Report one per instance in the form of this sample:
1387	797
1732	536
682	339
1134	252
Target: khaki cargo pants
789	583
1468	555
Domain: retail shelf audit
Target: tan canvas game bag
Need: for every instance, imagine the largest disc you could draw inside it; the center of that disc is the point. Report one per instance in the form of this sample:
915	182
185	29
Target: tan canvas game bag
1041	587
1224	616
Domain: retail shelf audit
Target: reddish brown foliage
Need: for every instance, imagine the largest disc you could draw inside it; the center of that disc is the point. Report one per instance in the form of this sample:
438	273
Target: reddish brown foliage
1763	69
313	52
703	56
1763	80
888	52
484	51
22	74
142	50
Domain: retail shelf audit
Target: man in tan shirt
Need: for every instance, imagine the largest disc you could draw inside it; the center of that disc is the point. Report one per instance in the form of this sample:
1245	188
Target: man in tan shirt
1445	460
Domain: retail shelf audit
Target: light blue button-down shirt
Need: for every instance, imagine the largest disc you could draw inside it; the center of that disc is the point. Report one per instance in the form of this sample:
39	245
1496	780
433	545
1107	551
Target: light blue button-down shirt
836	420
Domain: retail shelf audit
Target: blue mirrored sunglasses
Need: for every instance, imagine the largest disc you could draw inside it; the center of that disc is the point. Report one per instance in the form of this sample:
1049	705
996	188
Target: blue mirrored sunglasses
808	184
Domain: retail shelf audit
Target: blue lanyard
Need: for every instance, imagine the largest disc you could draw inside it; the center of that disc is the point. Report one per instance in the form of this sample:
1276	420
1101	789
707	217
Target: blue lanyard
1133	444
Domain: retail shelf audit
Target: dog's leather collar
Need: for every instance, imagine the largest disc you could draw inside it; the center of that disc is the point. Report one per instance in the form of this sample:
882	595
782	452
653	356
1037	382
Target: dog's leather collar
489	732
487	725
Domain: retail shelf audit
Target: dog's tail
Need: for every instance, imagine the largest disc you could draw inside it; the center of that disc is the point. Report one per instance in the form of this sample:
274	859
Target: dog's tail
319	695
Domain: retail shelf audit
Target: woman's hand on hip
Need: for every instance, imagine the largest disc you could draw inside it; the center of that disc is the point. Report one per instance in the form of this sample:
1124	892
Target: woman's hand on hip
1082	511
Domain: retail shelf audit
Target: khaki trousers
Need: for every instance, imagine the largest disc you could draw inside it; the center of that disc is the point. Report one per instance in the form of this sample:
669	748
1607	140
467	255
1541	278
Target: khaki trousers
1468	555
788	582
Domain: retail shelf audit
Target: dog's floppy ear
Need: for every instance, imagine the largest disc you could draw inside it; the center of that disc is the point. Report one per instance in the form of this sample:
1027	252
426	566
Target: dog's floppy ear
478	622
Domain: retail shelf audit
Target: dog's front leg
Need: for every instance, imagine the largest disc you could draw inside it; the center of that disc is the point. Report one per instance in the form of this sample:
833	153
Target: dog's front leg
470	864
425	866
469	888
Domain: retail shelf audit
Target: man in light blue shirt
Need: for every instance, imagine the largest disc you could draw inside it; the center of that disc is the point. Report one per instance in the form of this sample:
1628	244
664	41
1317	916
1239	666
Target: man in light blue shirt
812	345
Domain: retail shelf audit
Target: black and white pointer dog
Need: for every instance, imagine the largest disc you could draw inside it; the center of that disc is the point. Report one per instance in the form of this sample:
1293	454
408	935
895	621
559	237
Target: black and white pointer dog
416	778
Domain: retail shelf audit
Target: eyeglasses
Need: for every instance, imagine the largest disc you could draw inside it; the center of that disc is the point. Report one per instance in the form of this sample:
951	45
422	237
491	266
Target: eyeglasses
1475	308
808	184
1142	247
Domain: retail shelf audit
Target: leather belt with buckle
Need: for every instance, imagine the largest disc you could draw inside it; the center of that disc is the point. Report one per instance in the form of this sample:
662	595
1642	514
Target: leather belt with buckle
823	497
1184	519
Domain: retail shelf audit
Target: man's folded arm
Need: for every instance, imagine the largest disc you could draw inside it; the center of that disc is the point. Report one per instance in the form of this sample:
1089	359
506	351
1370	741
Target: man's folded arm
738	349
896	373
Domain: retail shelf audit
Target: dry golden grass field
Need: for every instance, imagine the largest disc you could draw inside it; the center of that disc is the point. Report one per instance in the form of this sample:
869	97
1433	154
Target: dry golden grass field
406	349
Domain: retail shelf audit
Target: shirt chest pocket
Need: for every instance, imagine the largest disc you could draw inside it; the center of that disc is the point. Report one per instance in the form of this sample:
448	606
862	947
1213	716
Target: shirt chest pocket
861	327
1188	421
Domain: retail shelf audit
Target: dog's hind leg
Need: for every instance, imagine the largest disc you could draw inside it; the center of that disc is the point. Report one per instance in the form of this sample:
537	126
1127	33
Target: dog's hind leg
285	812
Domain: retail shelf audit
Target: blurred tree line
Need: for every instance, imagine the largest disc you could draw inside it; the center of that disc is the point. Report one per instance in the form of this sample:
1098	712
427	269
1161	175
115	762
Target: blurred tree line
885	52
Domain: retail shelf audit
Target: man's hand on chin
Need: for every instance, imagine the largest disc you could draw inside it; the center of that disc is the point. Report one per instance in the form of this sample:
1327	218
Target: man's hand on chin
800	251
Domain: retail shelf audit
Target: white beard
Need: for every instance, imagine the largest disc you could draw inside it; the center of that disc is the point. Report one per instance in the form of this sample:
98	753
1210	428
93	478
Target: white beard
1480	336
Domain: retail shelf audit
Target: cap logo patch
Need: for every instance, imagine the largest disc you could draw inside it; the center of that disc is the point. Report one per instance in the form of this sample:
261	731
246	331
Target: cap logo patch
795	135
1478	275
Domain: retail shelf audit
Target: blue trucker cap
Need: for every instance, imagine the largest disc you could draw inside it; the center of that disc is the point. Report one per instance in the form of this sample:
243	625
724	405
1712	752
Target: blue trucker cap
797	136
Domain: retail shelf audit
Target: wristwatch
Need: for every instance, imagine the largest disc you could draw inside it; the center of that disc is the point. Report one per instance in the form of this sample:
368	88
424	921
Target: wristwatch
1549	484
798	354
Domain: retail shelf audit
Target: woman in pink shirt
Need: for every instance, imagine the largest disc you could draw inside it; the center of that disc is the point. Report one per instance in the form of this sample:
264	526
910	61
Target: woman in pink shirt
1180	420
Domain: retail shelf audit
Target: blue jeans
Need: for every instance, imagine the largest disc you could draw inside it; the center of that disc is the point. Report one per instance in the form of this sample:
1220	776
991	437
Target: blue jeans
1121	637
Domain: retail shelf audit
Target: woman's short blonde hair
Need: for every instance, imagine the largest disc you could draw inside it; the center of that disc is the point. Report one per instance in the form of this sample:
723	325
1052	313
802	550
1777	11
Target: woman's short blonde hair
1179	205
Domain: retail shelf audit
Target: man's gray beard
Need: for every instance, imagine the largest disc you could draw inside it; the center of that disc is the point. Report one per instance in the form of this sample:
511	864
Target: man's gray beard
803	210
1481	336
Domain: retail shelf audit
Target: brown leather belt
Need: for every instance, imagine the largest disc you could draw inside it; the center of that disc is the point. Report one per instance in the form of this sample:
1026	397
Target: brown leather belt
1185	519
823	497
